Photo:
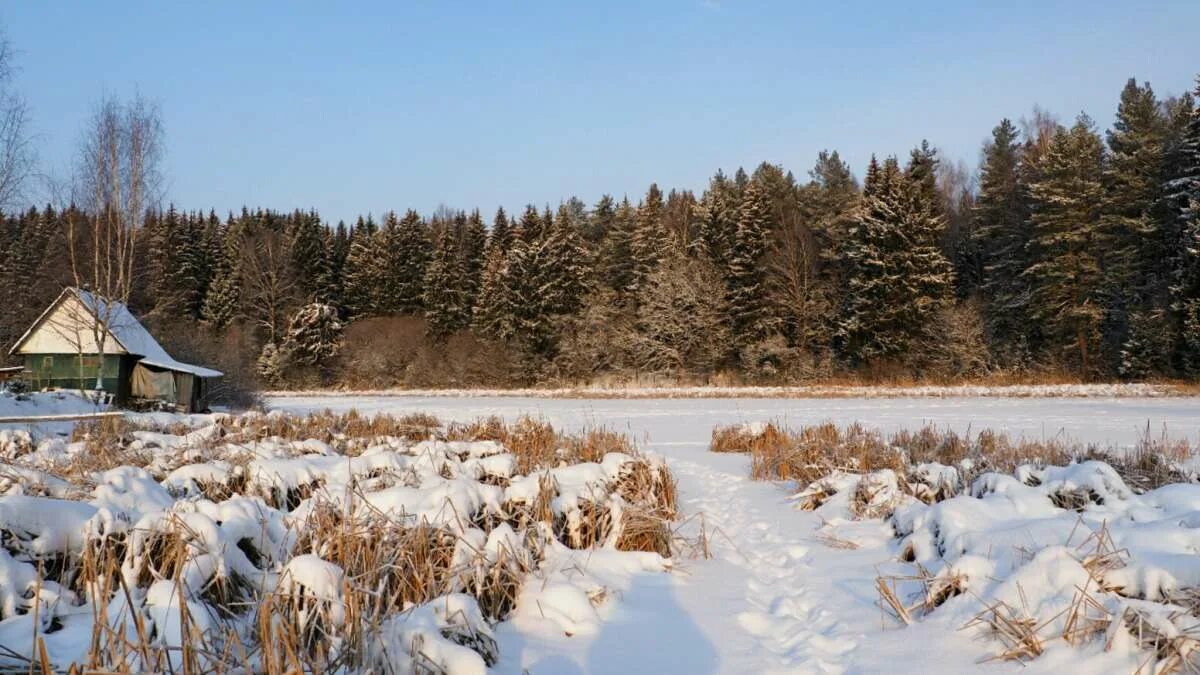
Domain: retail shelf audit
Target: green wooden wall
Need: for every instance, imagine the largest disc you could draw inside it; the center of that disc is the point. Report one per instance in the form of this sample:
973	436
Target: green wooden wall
66	371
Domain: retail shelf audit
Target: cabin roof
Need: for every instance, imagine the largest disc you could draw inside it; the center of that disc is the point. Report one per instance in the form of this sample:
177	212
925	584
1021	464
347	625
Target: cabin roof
129	333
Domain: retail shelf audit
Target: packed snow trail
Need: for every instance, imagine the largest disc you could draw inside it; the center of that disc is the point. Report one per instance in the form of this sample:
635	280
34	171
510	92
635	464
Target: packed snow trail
784	592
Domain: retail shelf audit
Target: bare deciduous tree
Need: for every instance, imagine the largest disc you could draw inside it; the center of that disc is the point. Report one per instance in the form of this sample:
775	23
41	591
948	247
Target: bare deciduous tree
17	156
117	180
269	286
802	293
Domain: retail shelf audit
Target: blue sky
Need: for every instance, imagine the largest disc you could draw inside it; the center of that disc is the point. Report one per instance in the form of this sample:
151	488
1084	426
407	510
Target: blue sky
369	106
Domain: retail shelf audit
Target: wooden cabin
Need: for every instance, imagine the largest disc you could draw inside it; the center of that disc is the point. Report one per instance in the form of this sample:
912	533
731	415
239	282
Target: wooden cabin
60	351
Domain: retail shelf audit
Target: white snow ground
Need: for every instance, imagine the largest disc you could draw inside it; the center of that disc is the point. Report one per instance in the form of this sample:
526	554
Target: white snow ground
773	599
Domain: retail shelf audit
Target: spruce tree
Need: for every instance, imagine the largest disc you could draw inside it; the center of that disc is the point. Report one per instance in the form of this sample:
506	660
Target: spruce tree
565	272
648	240
1135	238
1002	233
897	278
749	307
404	254
445	300
1183	190
493	312
223	299
1134	246
360	275
928	272
1066	294
173	279
337	246
313	336
472	251
615	262
306	239
500	238
716	216
600	221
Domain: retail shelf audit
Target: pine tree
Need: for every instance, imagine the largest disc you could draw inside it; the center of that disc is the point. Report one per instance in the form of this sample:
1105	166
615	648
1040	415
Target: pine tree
749	308
1002	232
805	268
1065	275
1133	179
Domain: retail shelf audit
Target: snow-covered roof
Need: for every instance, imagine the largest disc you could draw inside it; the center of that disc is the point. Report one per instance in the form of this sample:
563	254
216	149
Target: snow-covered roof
129	333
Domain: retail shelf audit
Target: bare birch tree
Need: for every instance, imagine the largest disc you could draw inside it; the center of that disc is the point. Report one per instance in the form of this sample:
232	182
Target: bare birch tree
117	180
17	156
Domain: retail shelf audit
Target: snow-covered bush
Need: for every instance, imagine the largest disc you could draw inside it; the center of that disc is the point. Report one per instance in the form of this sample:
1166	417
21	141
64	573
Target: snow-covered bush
324	543
1030	553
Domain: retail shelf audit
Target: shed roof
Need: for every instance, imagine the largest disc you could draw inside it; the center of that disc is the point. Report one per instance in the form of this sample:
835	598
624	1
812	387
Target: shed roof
125	329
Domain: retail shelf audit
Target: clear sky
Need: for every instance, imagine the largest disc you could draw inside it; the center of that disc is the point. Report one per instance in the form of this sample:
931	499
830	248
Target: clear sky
352	107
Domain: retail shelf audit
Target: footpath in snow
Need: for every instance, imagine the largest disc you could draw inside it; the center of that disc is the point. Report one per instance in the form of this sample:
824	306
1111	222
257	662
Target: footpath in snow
779	595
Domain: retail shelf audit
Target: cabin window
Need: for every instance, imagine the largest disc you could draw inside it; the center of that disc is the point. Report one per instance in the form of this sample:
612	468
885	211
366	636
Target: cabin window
89	361
47	362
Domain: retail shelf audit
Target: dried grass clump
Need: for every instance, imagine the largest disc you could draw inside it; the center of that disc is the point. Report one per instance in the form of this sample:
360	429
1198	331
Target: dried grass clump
588	526
1173	638
106	445
593	444
496	583
747	438
934	590
398	563
1016	630
649	485
342	431
483	429
535	444
644	529
813	452
876	495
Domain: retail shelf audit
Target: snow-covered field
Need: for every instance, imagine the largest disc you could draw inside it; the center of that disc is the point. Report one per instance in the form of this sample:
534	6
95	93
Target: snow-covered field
804	391
689	422
775	598
249	511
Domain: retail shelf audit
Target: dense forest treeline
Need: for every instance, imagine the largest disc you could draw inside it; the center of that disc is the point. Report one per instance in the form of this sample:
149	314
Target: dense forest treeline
1072	254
